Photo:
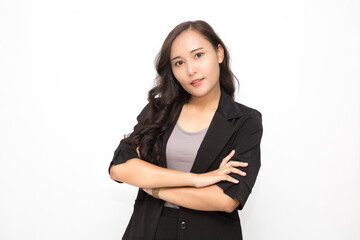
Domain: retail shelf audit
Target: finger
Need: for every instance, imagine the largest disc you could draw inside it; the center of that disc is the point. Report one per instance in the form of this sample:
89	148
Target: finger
231	179
237	171
227	158
237	164
227	171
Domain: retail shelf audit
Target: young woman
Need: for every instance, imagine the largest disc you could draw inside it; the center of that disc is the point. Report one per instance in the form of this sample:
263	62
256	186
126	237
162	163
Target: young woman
195	152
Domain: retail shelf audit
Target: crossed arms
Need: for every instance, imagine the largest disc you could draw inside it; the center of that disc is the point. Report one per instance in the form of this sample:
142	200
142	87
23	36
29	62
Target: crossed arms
190	190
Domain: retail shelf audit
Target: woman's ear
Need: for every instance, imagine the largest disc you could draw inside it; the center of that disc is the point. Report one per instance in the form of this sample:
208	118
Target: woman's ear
220	53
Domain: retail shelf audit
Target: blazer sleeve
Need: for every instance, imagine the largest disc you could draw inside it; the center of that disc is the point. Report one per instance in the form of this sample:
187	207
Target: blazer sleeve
126	151
247	149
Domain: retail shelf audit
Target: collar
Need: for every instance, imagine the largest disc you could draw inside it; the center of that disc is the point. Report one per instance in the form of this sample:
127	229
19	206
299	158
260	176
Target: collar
227	107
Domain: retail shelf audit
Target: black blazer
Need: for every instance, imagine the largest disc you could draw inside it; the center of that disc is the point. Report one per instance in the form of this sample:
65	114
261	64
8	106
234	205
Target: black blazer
234	126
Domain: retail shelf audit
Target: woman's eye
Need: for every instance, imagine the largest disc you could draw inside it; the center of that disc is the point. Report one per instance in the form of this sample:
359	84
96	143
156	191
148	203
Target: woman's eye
198	55
178	63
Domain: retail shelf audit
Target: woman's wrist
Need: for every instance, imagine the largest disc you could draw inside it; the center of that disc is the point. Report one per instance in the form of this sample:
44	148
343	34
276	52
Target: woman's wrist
193	180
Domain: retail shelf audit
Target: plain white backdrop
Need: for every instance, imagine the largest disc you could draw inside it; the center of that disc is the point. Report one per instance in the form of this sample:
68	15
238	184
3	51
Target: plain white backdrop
75	74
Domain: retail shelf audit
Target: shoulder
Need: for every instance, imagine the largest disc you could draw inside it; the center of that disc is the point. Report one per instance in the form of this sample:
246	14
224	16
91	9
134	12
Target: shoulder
249	119
247	111
230	109
150	109
144	111
249	126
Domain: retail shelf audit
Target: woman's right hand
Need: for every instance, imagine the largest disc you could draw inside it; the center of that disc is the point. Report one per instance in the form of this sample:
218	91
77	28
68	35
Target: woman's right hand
222	173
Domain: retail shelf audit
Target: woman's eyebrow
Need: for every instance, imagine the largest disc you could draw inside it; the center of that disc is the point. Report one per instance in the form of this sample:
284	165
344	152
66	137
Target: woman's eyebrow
196	49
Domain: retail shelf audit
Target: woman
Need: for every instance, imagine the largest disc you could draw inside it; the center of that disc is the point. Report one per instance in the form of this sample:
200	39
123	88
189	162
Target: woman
192	145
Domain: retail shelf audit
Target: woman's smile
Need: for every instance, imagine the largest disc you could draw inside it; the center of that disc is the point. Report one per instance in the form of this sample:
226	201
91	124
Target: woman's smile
196	82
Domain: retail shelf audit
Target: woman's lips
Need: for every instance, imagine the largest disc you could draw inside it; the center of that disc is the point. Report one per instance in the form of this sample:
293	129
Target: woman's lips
197	82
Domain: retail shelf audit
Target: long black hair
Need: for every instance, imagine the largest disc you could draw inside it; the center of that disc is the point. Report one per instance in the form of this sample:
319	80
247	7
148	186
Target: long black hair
167	96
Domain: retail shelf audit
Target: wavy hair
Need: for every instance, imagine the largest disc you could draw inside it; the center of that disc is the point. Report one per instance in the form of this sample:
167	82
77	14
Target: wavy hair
167	96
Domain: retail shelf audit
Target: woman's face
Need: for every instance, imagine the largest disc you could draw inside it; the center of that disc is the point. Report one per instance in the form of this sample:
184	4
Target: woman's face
195	63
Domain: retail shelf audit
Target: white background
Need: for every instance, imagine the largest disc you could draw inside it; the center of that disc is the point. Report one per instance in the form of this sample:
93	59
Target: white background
75	74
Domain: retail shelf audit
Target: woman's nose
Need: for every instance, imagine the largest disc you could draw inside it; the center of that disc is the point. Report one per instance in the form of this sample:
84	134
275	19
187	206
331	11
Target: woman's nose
191	67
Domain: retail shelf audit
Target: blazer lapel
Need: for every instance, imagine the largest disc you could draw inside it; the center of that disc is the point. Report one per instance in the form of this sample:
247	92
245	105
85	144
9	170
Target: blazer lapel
217	136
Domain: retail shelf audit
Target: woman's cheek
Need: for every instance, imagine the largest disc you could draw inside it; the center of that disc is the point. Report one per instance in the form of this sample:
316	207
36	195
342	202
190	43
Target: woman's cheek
179	76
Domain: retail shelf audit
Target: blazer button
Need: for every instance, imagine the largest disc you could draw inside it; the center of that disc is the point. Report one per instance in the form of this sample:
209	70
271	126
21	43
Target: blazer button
183	225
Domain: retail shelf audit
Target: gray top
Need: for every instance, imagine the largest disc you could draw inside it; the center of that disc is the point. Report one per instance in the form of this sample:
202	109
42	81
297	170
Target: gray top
181	150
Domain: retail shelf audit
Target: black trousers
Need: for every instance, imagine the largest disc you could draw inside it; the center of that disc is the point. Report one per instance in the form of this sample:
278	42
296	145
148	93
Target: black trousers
168	224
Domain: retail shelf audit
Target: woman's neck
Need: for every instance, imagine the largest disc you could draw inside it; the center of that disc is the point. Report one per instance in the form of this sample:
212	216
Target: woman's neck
208	102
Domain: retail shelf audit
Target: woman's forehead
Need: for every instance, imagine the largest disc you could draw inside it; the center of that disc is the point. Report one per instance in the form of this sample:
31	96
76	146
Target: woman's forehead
187	41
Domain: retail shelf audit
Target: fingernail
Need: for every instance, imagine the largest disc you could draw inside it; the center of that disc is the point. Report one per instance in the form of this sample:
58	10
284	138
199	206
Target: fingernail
246	164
